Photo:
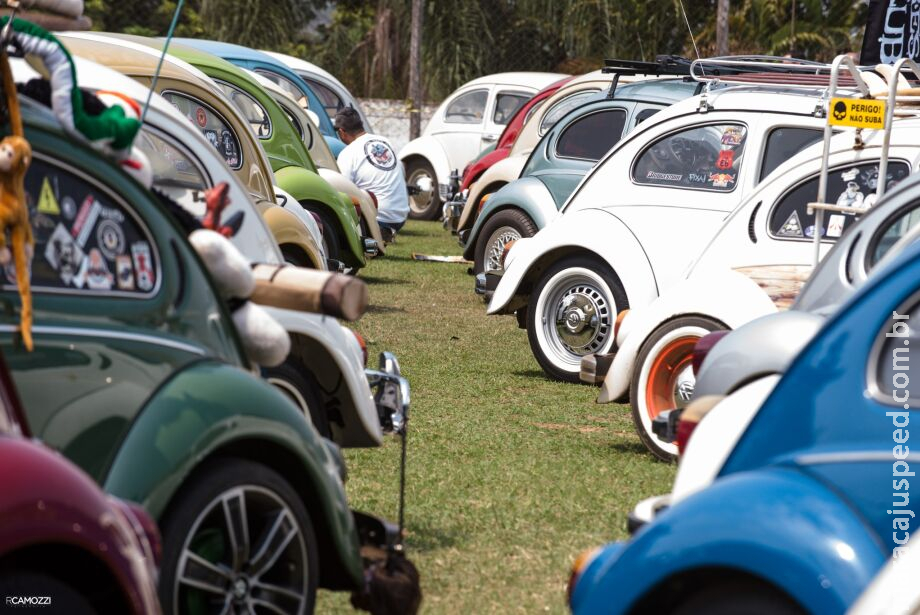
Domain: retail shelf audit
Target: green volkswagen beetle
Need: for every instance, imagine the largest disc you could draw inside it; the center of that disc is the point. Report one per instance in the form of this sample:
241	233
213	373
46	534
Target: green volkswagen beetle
138	376
291	163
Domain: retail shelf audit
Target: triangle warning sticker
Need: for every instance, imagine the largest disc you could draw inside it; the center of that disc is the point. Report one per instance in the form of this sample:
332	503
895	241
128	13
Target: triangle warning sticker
792	227
47	204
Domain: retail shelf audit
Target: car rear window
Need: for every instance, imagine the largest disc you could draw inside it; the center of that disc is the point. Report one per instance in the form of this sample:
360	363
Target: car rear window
784	143
215	129
591	136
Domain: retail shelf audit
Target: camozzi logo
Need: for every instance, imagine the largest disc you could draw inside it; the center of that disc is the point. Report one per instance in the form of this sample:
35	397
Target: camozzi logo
28	601
901	31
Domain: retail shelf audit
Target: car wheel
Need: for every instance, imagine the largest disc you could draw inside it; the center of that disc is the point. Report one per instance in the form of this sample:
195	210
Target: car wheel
25	584
502	228
329	227
294	255
571	314
741	599
238	539
663	376
425	205
301	388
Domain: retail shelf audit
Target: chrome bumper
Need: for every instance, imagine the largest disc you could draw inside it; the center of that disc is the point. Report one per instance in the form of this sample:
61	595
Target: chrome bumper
453	209
486	283
594	367
335	266
371	248
646	511
391	393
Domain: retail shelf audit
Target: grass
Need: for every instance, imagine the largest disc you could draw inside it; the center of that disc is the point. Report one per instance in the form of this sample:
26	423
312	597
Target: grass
510	475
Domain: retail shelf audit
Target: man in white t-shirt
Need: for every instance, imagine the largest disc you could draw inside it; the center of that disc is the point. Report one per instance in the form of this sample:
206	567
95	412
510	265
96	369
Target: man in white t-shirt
370	162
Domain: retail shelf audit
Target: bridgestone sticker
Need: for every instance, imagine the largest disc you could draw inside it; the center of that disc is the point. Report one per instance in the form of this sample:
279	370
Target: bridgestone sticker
668	177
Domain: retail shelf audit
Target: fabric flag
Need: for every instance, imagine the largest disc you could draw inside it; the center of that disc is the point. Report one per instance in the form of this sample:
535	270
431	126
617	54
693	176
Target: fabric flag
892	32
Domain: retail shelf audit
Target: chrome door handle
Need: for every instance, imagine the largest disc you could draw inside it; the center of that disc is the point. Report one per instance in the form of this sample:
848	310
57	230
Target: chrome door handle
490	138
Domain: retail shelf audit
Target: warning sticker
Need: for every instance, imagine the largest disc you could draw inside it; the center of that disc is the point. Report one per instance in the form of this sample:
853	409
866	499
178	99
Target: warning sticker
857	113
47	203
792	227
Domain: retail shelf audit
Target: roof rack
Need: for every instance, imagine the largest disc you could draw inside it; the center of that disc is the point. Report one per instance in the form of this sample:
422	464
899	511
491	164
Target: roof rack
758	69
676	66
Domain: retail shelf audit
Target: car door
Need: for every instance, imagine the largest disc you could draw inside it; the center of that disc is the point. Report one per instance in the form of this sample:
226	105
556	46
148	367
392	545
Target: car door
462	125
504	104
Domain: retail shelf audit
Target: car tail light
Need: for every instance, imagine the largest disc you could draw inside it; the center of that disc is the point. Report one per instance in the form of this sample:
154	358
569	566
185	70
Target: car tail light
691	416
619	321
482	201
581	562
363	344
505	251
357	204
702	348
373	199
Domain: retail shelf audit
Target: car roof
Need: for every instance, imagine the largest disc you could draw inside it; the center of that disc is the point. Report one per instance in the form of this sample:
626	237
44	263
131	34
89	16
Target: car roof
533	80
667	91
219	48
297	64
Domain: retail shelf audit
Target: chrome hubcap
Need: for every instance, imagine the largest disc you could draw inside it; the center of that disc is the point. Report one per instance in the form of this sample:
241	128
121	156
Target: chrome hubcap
245	553
497	242
580	319
683	386
420	202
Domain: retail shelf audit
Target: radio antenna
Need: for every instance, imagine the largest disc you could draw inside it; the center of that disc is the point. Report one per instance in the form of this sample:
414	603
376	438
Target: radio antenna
689	29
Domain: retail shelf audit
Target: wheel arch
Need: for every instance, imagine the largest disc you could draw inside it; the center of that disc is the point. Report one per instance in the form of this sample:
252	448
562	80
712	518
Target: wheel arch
348	241
428	149
469	250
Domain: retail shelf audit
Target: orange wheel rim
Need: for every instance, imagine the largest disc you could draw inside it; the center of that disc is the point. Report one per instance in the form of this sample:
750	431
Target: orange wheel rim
663	376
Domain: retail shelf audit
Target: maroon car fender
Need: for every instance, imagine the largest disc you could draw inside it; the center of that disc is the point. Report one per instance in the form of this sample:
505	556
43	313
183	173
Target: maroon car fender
46	502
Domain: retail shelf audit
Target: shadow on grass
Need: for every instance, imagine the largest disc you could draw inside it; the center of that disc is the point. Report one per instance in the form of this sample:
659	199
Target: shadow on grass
530	373
632	447
431	538
384	309
375	280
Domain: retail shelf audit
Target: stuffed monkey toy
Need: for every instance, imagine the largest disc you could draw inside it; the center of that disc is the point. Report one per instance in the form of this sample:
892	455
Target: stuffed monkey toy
15	156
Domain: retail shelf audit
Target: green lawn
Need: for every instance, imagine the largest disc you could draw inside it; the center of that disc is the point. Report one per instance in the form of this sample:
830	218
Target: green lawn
510	475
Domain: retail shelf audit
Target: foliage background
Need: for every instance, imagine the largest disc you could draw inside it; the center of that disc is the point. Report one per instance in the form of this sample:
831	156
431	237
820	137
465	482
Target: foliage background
366	42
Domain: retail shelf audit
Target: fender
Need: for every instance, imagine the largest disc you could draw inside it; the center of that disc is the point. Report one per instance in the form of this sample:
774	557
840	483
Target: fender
324	346
721	294
587	231
502	172
430	149
287	227
822	555
210	406
528	194
305	186
368	209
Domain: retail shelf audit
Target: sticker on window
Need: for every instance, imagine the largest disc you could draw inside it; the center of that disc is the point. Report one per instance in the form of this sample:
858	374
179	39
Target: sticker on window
705	157
792	227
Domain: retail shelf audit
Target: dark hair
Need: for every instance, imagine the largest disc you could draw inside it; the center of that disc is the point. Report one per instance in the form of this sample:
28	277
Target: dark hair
347	119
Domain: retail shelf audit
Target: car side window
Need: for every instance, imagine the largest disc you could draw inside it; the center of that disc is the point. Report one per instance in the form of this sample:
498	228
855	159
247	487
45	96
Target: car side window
175	172
87	240
467	108
331	101
645	114
562	107
847	186
287	85
212	126
506	105
591	136
702	158
293	120
891	232
254	113
785	142
891	363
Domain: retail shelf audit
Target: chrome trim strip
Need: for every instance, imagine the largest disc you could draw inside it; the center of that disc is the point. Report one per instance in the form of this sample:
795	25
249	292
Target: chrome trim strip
852	457
108	333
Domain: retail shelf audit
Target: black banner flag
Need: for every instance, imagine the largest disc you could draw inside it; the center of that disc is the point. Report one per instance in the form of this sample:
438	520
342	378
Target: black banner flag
892	32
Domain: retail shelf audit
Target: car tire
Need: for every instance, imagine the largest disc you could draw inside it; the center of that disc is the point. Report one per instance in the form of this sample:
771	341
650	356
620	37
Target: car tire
64	597
741	599
663	377
329	227
294	255
301	388
207	564
419	207
588	285
503	227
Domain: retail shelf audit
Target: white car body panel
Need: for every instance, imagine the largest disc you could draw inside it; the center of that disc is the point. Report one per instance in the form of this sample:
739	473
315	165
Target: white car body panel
723	282
256	242
564	236
450	145
894	590
501	173
716	436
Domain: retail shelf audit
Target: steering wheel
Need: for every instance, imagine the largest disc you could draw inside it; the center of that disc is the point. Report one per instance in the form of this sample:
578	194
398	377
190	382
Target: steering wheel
684	151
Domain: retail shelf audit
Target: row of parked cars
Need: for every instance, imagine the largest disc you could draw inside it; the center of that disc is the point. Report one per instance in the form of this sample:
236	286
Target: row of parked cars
148	461
666	205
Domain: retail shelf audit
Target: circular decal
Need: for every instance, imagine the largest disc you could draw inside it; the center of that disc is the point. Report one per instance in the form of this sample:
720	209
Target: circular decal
202	116
110	238
68	207
380	155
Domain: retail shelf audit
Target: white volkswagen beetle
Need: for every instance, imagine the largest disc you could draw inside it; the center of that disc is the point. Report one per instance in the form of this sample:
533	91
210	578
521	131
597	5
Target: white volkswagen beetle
754	265
467	122
644	211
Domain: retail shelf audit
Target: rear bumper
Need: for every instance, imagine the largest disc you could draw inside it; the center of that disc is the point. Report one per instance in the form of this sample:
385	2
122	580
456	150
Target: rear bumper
594	367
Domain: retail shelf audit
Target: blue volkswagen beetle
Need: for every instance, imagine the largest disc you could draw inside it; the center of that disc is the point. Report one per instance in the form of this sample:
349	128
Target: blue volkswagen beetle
559	162
815	496
278	72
